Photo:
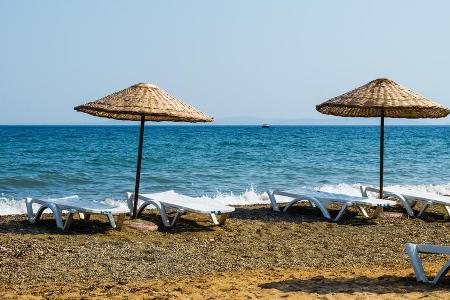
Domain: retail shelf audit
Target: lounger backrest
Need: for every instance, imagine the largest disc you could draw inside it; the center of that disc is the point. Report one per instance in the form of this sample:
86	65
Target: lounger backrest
419	195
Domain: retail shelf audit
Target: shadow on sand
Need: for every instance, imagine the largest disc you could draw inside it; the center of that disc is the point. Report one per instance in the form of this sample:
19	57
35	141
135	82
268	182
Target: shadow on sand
198	223
304	213
96	225
186	223
379	285
47	225
298	214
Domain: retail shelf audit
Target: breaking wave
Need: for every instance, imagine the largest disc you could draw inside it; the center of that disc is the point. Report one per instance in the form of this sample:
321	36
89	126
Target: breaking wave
11	206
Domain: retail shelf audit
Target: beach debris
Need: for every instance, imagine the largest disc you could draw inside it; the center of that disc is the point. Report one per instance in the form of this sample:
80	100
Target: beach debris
142	226
394	215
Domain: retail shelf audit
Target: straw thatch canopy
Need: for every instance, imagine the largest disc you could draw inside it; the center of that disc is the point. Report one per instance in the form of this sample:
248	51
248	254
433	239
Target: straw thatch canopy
369	100
143	99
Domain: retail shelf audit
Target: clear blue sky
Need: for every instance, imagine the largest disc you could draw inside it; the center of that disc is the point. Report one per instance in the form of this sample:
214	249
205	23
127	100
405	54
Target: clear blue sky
235	60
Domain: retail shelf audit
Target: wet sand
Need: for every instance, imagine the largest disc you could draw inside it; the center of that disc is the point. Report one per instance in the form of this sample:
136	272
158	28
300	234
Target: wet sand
257	254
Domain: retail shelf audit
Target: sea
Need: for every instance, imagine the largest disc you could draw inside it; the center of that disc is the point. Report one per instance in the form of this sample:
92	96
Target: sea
231	164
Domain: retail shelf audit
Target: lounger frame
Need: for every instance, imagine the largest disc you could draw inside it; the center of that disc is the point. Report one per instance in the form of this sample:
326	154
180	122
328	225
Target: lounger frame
407	202
59	209
413	251
321	204
217	217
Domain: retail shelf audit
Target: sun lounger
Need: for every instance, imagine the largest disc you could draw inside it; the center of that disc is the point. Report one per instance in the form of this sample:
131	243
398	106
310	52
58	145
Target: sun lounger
181	204
409	197
413	253
321	200
73	205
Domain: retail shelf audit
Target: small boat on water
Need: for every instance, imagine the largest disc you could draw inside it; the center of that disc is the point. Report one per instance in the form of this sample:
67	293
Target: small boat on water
265	125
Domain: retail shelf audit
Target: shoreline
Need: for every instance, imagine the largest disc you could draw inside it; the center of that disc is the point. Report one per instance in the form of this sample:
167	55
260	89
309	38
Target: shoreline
248	197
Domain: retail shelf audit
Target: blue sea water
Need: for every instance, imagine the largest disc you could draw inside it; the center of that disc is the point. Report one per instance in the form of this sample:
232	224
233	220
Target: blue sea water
238	162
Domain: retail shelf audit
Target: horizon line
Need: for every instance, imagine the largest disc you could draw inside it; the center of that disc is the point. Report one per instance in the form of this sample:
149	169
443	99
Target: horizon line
206	124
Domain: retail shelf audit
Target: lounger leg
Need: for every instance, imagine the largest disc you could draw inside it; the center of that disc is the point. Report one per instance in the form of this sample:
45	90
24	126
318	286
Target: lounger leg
161	209
58	215
322	207
30	214
316	203
130	203
163	214
175	219
442	272
406	205
290	204
363	211
447	208
84	216
313	201
111	219
68	221
38	215
141	209
273	201
422	210
341	212
34	218
219	219
416	263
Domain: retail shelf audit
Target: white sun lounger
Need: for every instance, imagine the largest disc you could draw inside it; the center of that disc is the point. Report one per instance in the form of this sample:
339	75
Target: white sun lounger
73	205
409	197
181	204
322	199
413	253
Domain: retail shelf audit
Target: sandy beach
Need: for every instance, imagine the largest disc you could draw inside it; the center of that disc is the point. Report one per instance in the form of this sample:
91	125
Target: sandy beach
257	254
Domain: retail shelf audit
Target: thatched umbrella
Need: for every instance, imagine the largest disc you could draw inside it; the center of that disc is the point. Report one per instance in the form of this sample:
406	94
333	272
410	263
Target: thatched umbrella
382	98
143	102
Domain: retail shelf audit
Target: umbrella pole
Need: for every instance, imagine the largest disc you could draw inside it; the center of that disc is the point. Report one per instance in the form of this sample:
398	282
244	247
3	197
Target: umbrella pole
138	168
381	153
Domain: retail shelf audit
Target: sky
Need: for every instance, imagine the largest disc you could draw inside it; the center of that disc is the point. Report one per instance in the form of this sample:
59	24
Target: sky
242	62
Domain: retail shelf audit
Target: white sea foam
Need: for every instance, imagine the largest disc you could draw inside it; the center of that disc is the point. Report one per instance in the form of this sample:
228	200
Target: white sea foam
249	197
354	190
342	188
11	206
